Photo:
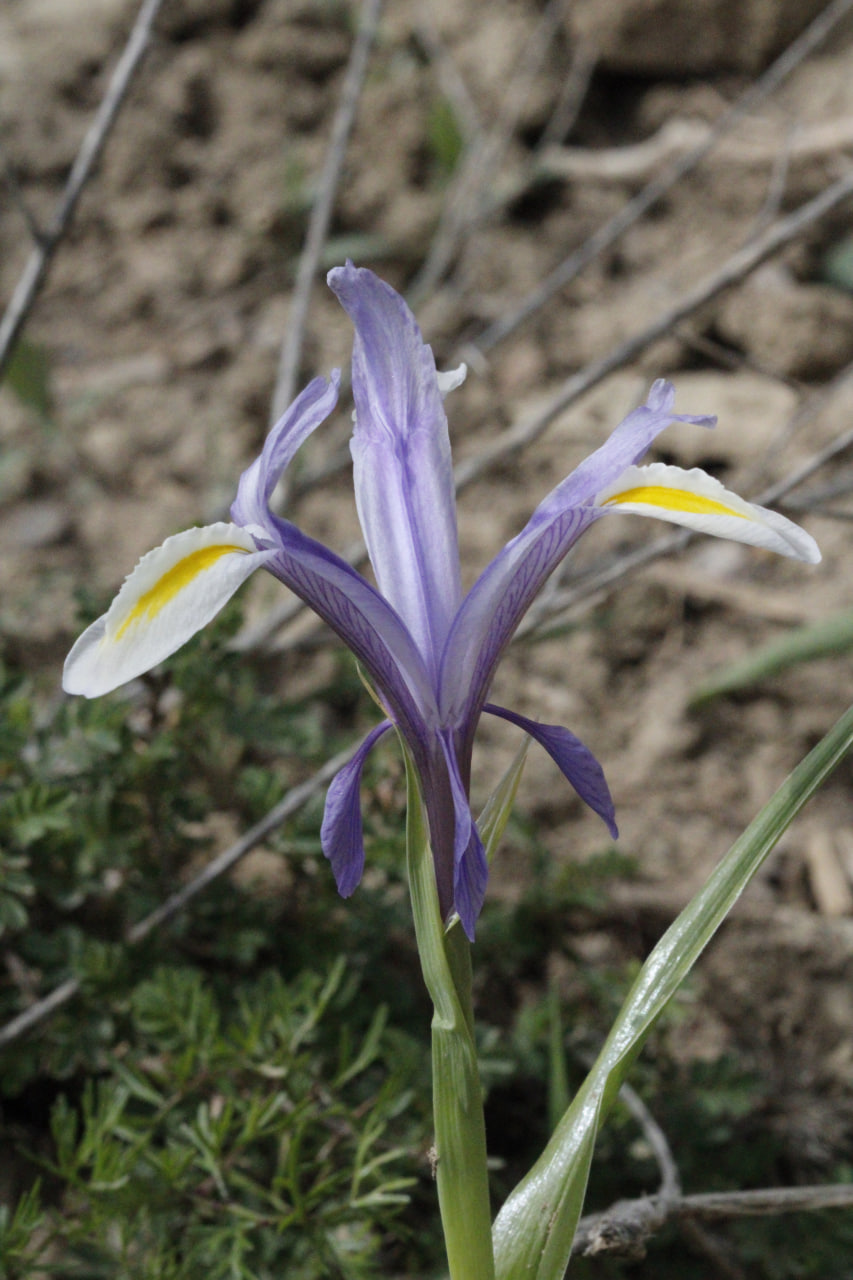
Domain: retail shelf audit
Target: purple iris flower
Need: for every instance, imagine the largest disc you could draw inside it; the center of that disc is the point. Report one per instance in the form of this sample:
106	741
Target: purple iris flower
429	651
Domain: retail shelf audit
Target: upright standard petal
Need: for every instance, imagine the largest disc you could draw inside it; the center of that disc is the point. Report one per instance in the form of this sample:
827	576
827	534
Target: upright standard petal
172	593
341	834
257	482
698	501
402	466
575	761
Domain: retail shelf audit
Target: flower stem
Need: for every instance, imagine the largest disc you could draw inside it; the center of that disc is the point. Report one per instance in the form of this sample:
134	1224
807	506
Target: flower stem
460	1131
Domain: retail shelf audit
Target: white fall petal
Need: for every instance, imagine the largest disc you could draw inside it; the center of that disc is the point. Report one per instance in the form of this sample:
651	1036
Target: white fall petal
698	501
172	593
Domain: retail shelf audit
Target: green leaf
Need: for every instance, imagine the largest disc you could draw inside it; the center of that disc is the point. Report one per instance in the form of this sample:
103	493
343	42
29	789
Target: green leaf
837	266
28	374
492	821
823	639
446	141
534	1230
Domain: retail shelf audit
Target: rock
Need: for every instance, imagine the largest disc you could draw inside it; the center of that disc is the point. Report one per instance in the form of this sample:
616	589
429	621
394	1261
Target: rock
689	37
39	523
800	330
750	411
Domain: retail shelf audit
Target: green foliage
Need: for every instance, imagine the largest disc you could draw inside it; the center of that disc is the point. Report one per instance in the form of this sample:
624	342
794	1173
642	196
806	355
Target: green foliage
226	1098
444	139
837	265
825	639
233	1135
28	374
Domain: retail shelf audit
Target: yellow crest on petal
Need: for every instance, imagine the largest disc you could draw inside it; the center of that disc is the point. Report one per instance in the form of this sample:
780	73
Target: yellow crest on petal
172	582
672	499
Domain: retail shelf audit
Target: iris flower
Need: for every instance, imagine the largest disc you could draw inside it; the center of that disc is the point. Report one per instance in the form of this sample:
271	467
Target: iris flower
429	650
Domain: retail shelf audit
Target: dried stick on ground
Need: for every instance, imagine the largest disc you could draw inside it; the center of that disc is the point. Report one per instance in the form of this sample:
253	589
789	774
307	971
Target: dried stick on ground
466	197
736	268
607	235
216	868
627	1226
670	1182
38	263
318	226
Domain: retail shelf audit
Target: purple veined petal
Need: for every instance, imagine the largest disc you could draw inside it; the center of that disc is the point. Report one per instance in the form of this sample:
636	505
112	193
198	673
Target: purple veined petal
257	482
498	600
366	623
470	868
575	761
341	833
493	608
472	873
401	454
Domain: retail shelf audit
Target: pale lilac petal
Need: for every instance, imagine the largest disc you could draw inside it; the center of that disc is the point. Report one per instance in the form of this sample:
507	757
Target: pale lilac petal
574	760
257	482
341	834
470	867
402	466
498	600
364	621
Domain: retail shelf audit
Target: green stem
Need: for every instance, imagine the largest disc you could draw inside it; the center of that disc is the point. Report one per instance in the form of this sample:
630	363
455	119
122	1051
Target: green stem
460	1130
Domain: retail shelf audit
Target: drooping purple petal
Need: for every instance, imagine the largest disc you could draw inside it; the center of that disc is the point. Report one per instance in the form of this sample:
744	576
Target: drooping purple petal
257	482
402	466
365	622
472	873
498	600
341	833
470	867
574	760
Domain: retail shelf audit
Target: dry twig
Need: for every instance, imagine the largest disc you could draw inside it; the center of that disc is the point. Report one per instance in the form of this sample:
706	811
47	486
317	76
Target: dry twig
612	230
627	1226
466	200
321	213
48	241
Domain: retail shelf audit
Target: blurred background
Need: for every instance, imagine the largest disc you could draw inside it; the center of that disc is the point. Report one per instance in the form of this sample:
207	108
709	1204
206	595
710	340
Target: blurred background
576	198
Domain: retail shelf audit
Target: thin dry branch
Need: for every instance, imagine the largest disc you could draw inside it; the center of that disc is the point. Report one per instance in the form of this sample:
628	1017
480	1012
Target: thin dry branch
450	80
91	148
321	213
681	137
214	870
572	94
612	230
670	1182
466	199
627	1226
740	265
